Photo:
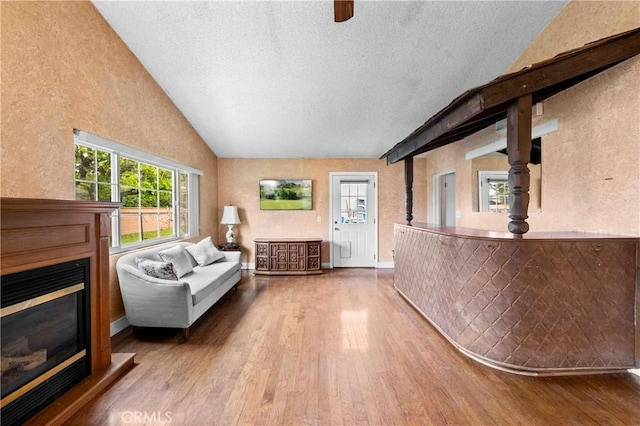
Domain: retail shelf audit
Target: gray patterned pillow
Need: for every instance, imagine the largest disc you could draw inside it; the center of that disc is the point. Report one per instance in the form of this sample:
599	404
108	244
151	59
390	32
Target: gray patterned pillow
153	268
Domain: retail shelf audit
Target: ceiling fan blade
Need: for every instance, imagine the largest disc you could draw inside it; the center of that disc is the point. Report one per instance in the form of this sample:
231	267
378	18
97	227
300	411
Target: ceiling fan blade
342	10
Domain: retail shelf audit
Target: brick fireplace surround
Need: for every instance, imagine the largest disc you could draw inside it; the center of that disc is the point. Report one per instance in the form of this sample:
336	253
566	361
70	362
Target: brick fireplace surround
37	233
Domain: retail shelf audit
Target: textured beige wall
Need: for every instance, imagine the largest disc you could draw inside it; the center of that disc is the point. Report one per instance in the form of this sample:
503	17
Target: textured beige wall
239	186
580	22
63	67
590	173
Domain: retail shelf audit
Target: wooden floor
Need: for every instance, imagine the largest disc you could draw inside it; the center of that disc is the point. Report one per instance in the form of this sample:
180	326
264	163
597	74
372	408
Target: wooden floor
339	348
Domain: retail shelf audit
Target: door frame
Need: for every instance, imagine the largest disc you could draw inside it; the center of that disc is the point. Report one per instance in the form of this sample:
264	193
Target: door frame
375	216
437	196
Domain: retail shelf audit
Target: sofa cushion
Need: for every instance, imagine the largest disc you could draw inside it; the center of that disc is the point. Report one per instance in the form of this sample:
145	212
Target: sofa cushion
206	279
178	256
205	252
153	268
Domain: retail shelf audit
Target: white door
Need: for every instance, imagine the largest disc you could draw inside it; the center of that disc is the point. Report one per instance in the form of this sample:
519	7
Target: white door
354	241
448	204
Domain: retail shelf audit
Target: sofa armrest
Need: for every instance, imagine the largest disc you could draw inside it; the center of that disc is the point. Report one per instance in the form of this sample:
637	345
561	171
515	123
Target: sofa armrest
232	256
154	302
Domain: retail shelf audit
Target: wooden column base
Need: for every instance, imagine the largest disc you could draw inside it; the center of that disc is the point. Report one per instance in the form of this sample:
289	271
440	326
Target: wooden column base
77	397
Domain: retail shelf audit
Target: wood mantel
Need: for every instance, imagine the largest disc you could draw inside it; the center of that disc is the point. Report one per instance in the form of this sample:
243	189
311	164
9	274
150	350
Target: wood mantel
35	233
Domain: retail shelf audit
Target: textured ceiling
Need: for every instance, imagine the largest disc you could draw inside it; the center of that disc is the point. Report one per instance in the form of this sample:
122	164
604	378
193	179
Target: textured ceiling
280	79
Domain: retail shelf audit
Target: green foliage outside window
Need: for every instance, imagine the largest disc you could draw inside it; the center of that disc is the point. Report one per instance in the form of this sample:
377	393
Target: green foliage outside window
93	174
145	191
145	185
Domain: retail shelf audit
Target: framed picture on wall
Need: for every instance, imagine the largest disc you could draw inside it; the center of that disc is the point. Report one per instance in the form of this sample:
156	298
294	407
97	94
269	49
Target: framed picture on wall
285	194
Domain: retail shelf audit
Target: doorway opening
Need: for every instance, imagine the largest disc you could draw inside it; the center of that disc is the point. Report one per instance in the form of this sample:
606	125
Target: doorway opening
444	203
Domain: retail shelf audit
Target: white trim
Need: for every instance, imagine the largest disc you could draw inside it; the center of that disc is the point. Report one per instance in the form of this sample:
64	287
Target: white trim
96	141
537	132
194	194
375	205
118	325
326	265
386	265
486	149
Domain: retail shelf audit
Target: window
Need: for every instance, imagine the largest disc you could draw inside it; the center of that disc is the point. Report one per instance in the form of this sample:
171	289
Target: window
494	191
157	195
353	202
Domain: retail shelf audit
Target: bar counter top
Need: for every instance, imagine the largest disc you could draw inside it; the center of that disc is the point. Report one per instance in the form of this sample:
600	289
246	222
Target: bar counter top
543	304
481	233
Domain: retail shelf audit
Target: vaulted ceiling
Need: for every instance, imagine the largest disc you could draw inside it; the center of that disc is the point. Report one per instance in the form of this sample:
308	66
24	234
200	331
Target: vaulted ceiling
280	79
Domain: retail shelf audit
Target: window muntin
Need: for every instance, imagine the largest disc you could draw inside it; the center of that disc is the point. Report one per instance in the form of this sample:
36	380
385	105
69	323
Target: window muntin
493	191
498	196
93	174
353	202
154	198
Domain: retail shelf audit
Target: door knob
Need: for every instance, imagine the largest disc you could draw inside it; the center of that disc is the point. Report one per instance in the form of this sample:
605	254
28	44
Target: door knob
336	229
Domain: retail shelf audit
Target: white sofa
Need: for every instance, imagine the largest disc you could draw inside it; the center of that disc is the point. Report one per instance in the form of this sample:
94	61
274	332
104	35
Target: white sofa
158	302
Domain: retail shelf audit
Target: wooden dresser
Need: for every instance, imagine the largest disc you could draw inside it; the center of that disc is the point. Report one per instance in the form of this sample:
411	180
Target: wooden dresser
288	256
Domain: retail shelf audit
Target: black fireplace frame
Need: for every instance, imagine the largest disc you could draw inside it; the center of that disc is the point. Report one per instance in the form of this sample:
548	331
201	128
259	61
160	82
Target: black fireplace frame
26	285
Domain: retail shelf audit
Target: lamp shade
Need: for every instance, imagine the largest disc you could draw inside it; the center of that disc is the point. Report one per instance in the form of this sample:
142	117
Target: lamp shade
230	216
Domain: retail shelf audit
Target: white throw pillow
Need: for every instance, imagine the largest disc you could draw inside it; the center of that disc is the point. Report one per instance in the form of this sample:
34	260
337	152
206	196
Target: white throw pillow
205	252
178	257
153	268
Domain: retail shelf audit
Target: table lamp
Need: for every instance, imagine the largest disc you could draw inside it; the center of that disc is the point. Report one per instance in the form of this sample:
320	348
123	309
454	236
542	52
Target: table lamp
230	218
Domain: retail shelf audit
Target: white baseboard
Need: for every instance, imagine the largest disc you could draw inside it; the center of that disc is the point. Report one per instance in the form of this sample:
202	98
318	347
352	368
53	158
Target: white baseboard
325	265
118	325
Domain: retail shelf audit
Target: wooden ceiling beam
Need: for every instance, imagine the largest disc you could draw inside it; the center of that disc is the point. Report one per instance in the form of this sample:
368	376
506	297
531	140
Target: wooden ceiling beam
464	115
447	123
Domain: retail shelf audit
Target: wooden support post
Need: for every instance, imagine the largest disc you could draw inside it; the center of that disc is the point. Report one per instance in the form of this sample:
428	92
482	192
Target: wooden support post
408	188
519	153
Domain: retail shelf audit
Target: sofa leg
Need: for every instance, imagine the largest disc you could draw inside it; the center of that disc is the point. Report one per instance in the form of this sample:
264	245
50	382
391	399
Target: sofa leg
185	334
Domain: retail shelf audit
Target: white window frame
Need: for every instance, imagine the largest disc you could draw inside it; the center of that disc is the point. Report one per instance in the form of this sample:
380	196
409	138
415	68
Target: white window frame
117	150
484	176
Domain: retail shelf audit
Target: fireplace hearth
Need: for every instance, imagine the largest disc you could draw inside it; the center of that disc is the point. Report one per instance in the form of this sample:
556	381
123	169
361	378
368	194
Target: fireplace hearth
44	324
